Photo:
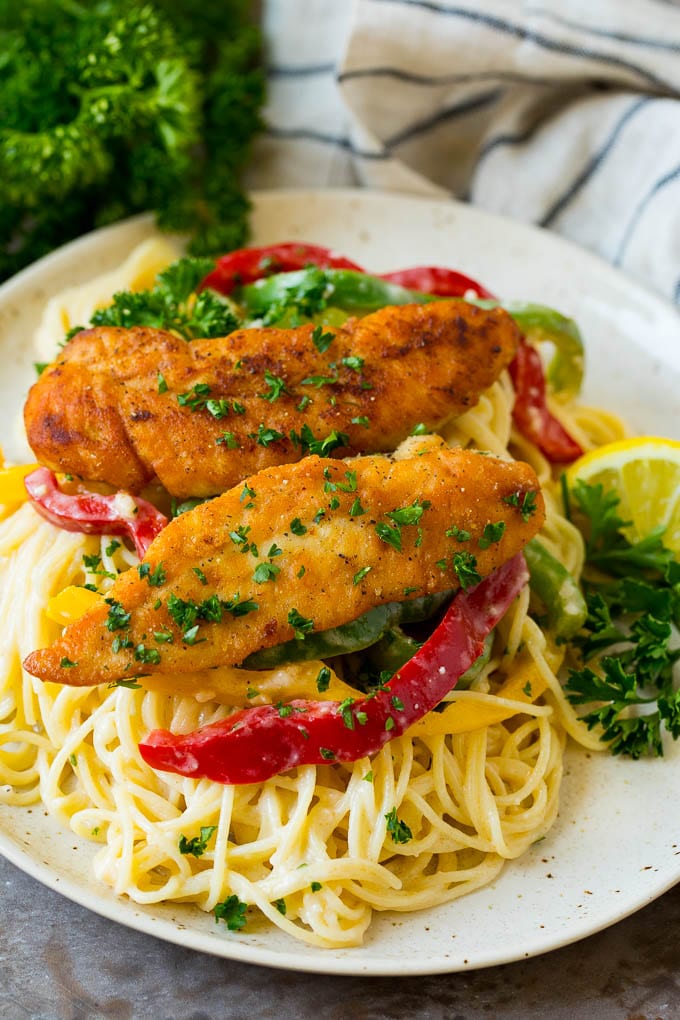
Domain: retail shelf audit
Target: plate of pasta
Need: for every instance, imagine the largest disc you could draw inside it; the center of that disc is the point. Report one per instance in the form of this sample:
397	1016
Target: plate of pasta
327	590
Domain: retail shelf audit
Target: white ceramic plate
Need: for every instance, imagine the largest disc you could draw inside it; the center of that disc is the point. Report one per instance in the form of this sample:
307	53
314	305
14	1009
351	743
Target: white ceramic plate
616	843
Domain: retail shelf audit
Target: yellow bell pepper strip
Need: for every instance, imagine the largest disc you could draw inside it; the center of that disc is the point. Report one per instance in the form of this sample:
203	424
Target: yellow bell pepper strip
71	603
526	684
12	488
254	744
229	685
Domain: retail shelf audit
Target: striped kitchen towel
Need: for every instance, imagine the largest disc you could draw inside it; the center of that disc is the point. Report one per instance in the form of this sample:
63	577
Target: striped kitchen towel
563	113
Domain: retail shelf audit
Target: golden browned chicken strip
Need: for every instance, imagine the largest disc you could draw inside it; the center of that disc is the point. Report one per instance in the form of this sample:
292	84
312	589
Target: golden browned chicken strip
125	406
299	549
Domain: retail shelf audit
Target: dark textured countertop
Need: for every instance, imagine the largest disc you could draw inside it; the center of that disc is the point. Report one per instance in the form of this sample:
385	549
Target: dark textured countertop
57	960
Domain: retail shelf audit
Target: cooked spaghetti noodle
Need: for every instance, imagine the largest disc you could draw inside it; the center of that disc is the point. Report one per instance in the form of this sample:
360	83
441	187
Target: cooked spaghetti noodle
312	850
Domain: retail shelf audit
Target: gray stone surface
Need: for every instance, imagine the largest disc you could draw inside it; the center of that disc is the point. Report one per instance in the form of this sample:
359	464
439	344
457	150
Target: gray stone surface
60	962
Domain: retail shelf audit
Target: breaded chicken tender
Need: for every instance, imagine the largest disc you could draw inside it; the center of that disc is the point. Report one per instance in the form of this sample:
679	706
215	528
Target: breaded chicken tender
299	549
128	406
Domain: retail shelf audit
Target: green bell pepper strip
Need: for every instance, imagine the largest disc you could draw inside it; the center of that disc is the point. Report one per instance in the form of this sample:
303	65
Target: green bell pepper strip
350	637
556	588
395	649
354	292
539	323
344	288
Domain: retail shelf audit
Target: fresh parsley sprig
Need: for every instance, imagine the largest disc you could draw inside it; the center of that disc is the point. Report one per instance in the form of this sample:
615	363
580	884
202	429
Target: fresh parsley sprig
627	644
173	304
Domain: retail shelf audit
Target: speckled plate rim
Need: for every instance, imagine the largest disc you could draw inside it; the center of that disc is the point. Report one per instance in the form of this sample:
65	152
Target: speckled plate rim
575	882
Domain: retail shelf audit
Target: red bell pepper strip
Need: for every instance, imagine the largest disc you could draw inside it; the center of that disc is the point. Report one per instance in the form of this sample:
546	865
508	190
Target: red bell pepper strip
246	265
256	743
531	413
89	512
436	280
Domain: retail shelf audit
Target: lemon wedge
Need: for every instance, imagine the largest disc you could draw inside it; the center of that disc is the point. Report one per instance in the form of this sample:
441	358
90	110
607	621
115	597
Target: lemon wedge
645	474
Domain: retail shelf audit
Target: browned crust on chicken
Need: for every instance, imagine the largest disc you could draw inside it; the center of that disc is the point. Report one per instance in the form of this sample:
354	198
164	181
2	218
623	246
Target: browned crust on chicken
203	554
108	409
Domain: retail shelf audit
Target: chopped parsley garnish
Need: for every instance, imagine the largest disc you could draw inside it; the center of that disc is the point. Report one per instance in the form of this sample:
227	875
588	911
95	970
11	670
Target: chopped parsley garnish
327	754
302	625
265	436
112	546
459	534
147	655
321	447
345	710
492	533
407	515
154	578
361	419
356	509
389	534
398	830
195	398
227	439
233	912
351	484
524	501
323	679
200	575
238	536
198	845
118	618
218	408
162	384
297	527
315	886
420	429
93	565
280	906
465	568
321	340
360	575
319	380
67	663
265	572
276	385
353	362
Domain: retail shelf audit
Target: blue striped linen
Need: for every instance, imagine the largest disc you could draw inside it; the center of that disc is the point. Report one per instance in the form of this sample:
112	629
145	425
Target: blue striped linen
564	113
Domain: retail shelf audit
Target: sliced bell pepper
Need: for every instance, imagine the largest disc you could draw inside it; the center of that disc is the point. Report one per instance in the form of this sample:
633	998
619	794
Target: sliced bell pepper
351	290
557	590
254	744
12	488
71	603
231	685
436	280
350	637
540	323
246	265
526	684
94	514
531	413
